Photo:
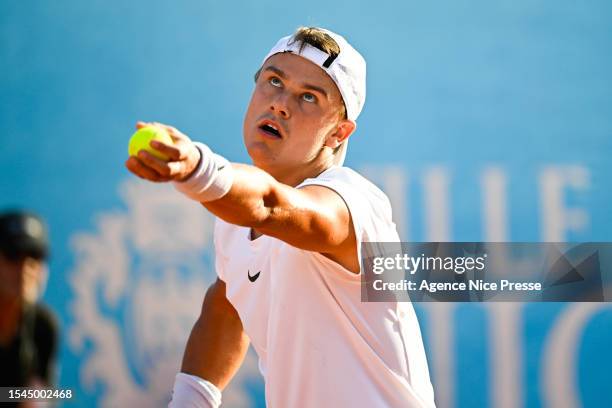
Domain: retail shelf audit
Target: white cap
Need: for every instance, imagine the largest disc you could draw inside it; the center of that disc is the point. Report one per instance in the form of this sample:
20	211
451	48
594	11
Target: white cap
347	70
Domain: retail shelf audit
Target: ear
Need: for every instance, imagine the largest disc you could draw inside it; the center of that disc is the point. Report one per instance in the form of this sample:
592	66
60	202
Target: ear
344	129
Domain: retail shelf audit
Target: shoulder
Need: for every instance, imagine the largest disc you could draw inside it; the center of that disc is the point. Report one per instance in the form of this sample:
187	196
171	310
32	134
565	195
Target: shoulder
350	184
341	174
369	207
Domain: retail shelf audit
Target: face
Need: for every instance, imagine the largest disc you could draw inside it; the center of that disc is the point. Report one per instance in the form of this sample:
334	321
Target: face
294	119
20	277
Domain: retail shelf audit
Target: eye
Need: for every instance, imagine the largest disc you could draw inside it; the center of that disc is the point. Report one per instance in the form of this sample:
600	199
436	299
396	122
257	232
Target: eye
274	81
308	97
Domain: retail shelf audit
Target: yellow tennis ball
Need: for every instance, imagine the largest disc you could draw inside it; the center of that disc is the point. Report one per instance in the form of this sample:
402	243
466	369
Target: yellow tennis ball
141	139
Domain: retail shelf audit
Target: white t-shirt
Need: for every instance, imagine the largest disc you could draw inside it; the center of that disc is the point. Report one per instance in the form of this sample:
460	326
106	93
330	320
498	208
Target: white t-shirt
319	345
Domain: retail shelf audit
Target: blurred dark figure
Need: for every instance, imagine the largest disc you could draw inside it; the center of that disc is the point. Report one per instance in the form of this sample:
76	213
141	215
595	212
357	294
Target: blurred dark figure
28	330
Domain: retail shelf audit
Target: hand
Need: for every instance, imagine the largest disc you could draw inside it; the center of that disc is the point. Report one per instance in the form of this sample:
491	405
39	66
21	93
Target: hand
183	156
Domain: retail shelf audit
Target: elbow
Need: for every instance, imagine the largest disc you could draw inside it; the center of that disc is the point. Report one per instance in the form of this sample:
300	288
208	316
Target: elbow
258	213
256	217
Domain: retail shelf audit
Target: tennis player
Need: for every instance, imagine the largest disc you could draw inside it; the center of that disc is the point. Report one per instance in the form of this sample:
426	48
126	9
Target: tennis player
287	242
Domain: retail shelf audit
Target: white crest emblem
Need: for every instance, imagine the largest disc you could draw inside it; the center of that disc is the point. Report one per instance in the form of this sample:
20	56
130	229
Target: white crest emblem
138	283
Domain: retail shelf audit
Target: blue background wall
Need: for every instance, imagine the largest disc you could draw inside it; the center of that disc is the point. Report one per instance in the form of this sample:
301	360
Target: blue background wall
484	121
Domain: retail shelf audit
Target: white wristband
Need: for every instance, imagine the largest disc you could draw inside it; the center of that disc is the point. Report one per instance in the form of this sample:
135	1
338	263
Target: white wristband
211	180
191	391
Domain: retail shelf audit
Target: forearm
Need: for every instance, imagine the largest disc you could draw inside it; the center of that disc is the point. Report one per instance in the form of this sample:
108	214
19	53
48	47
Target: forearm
217	344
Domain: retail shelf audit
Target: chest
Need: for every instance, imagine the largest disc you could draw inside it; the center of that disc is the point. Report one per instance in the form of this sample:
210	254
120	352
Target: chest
265	280
246	269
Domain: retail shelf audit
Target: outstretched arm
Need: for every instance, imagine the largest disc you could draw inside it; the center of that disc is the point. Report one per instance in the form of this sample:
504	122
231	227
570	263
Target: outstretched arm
313	218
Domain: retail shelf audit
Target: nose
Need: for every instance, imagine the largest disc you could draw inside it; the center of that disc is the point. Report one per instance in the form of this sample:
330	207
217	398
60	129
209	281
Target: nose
279	107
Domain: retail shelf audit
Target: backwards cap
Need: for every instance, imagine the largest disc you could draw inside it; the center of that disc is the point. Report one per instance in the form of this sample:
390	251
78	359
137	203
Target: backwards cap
23	233
347	70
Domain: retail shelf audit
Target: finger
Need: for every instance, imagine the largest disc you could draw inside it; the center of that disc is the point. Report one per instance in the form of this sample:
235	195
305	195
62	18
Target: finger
174	133
140	124
139	169
158	165
173	152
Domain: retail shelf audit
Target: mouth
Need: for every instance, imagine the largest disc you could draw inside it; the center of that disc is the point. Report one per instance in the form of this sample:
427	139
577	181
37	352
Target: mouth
271	129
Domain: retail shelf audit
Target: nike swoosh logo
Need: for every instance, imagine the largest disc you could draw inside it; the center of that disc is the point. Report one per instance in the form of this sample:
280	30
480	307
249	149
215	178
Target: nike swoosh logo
254	277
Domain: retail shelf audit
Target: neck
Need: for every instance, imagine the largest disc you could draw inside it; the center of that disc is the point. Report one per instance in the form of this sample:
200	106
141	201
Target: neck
294	176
